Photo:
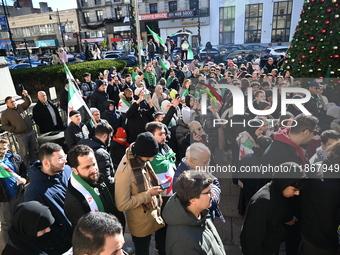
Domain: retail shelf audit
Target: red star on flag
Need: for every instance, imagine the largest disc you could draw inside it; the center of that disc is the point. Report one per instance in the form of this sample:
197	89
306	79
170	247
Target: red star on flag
168	179
120	104
242	153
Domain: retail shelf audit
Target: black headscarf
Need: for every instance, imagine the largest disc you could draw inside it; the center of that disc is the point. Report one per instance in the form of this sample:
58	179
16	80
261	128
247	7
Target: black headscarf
29	218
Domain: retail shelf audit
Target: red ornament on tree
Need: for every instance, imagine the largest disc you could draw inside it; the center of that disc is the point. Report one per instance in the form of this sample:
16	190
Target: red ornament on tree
329	10
323	31
331	56
319	60
322	1
327	22
311	38
312	48
303	56
336	56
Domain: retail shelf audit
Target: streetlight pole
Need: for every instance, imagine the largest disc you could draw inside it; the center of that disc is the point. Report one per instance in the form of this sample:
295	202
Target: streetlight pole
139	42
199	27
9	29
61	29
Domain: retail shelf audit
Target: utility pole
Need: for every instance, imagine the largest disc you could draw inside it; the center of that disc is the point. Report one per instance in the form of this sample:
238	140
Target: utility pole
9	29
61	29
139	42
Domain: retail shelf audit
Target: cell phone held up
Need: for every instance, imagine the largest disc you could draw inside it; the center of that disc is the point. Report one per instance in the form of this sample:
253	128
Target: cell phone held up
165	186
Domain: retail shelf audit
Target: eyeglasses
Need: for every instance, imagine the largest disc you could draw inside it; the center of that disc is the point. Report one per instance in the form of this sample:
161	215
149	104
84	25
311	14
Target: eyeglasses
315	132
209	192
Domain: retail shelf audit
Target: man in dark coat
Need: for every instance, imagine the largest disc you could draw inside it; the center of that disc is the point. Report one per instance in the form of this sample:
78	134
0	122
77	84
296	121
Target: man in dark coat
48	183
76	130
287	148
46	115
99	96
99	143
85	183
137	118
320	206
263	229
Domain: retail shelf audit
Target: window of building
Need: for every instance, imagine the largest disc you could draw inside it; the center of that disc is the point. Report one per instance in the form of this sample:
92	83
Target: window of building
118	13
99	15
83	3
86	16
69	27
194	4
97	2
227	25
281	21
253	23
153	8
172	6
100	33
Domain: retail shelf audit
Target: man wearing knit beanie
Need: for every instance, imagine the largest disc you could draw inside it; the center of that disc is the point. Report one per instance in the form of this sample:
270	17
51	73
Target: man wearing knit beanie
137	191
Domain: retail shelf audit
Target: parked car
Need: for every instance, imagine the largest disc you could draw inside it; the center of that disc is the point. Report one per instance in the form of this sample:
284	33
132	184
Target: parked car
214	53
250	55
19	66
256	47
275	52
112	56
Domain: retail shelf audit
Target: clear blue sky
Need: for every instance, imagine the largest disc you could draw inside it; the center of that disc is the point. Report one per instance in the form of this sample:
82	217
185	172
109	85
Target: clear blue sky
54	4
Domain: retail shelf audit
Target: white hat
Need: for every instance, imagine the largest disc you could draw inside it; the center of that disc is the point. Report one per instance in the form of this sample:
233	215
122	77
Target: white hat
138	90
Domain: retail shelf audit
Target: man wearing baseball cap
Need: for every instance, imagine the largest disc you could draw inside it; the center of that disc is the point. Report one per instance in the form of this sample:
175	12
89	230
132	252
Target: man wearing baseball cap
137	191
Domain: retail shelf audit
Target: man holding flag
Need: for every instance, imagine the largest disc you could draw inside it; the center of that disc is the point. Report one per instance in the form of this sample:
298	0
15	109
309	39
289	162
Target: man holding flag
12	173
151	49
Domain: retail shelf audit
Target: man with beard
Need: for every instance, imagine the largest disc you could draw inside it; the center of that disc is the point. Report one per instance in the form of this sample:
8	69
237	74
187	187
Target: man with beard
87	192
49	177
99	143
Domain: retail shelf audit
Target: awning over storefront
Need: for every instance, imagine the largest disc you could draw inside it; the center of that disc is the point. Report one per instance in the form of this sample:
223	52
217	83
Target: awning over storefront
93	40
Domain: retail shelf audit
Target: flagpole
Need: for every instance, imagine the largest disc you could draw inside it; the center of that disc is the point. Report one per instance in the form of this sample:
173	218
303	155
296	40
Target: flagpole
138	35
72	82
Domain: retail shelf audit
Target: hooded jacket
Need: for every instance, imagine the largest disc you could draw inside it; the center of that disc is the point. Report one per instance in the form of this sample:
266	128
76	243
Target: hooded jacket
74	133
113	117
188	235
263	229
103	158
51	191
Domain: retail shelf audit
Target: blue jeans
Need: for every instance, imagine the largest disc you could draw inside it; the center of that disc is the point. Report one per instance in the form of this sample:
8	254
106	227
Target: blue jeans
142	244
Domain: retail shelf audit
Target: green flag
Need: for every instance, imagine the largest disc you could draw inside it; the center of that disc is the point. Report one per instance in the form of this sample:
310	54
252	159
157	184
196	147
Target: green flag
156	37
163	66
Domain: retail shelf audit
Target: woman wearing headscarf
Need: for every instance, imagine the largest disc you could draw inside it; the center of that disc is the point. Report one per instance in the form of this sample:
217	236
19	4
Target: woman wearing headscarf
158	97
112	116
29	233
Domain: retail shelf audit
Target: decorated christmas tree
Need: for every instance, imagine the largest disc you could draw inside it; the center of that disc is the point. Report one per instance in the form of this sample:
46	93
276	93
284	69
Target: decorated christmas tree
315	48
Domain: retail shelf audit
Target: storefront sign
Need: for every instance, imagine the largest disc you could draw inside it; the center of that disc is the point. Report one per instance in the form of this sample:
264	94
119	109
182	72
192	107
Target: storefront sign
189	22
181	14
162	15
121	28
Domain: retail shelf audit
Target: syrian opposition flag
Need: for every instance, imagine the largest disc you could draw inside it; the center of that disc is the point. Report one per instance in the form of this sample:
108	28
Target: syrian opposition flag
246	148
6	172
75	100
156	37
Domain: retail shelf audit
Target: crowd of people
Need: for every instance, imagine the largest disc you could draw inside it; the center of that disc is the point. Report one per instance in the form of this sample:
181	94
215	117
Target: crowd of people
144	157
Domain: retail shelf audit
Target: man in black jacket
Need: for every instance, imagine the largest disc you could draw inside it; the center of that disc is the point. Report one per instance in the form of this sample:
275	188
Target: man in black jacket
137	118
287	148
320	206
99	96
99	143
263	229
86	189
76	130
46	115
